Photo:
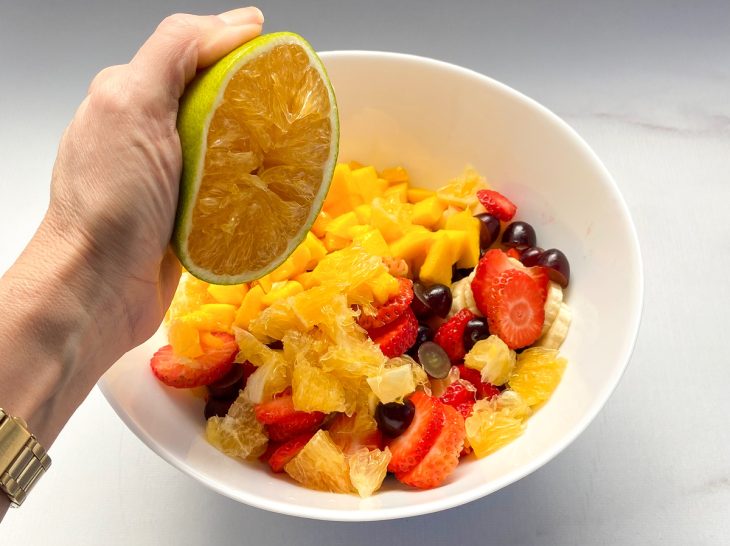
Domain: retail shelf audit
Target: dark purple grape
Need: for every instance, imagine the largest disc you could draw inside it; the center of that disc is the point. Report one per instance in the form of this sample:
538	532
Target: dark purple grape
434	360
557	266
457	273
393	418
276	345
217	406
519	235
228	385
424	333
489	230
530	256
434	300
475	330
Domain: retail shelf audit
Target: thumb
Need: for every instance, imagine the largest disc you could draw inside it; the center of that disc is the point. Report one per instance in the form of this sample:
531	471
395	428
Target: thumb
182	43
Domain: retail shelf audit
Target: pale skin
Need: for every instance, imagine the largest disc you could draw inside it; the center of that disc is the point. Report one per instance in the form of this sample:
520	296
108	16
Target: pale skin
98	275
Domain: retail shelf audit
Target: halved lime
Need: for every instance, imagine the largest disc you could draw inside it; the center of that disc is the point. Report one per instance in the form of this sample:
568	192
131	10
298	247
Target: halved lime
259	134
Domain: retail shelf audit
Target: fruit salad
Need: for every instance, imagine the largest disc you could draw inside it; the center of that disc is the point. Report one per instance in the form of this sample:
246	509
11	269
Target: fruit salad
411	330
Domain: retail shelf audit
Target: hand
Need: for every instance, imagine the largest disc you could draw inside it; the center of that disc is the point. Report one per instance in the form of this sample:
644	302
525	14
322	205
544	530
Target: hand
97	277
115	182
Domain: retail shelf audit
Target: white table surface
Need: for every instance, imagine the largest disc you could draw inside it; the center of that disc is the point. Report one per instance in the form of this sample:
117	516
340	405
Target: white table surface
647	84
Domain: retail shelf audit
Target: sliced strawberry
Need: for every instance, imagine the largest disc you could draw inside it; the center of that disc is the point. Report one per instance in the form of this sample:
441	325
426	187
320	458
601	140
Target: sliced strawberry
513	253
484	389
283	421
181	372
409	448
516	312
397	337
344	433
442	458
287	451
490	268
460	395
450	335
391	309
497	204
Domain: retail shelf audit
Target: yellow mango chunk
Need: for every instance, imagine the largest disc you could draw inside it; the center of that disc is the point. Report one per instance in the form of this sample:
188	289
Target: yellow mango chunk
355	165
185	339
251	306
320	223
465	222
296	263
214	317
231	294
338	196
412	245
333	242
339	226
395	175
307	280
428	212
208	340
264	282
364	213
391	217
385	286
372	242
444	252
366	184
317	250
400	191
282	291
416	195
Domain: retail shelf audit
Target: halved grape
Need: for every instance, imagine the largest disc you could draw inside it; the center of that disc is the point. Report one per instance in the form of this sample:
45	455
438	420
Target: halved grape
434	360
475	330
489	230
519	235
557	266
393	418
530	256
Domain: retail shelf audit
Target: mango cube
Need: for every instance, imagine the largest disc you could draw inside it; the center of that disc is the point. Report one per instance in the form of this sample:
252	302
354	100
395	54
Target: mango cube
282	291
364	213
185	339
213	317
366	184
412	245
400	191
444	252
428	212
317	250
465	222
339	226
338	197
251	306
395	175
231	294
416	195
372	242
320	223
333	242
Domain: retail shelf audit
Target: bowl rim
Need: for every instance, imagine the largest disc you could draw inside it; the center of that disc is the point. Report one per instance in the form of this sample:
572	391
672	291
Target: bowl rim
481	490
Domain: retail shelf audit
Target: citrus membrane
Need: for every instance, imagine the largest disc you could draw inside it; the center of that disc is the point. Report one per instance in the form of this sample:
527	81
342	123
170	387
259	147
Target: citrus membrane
259	133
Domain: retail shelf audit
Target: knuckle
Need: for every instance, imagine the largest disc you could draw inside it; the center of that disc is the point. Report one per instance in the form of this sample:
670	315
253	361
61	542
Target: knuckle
176	22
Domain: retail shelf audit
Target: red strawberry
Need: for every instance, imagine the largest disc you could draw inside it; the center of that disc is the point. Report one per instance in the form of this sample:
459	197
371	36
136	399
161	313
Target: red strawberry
517	309
442	458
397	337
497	204
283	421
409	448
391	309
181	372
490	268
513	253
484	389
451	334
460	395
287	451
344	433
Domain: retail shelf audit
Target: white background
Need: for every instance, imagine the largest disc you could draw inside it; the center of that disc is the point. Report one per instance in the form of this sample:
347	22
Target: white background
647	84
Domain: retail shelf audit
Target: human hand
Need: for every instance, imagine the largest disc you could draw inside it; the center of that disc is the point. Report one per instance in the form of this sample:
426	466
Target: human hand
115	182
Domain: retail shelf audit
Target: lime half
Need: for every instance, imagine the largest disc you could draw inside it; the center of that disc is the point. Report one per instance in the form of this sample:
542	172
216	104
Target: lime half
259	134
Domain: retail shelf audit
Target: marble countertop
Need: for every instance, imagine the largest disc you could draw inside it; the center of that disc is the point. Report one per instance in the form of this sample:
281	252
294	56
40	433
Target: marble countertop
647	84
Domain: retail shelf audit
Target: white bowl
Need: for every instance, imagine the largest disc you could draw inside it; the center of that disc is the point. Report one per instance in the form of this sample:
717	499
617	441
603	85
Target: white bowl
434	118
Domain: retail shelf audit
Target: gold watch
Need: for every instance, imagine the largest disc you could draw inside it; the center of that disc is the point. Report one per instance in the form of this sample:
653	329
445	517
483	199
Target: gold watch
22	459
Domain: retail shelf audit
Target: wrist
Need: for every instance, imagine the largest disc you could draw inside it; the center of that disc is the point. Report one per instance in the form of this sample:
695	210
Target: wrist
50	342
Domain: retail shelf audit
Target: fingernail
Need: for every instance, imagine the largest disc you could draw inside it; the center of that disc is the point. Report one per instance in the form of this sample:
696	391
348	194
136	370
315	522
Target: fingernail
242	16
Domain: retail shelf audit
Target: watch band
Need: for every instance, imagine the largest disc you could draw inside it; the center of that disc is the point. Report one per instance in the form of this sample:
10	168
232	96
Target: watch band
22	459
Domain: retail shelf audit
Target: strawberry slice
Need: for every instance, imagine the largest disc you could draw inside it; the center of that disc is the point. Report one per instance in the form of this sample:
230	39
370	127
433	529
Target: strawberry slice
409	448
484	389
497	204
344	433
513	253
283	421
397	337
517	310
450	335
183	373
391	309
285	452
490	268
442	458
460	395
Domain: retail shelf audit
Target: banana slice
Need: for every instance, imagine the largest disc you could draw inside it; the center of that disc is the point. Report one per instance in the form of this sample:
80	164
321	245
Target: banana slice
555	335
462	297
552	305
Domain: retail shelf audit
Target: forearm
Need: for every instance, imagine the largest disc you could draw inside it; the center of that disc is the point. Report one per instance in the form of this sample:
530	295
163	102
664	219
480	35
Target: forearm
51	352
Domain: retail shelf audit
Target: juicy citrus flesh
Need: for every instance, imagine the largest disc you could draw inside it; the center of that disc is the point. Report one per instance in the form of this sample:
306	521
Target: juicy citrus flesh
268	146
310	305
